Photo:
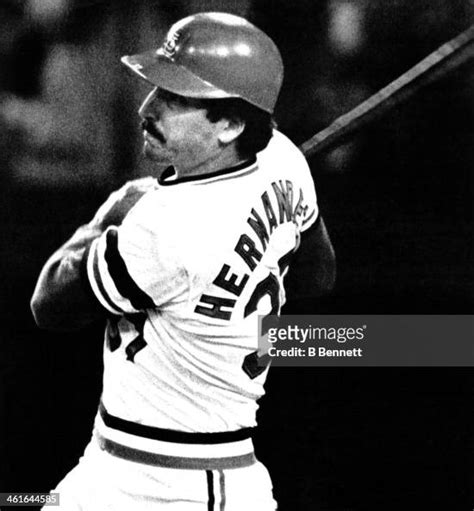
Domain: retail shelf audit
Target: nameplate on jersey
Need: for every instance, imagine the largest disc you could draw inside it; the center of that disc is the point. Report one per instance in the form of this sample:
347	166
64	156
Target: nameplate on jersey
281	204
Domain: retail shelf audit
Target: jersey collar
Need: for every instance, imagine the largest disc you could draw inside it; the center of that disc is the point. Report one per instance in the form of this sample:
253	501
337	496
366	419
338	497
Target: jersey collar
166	178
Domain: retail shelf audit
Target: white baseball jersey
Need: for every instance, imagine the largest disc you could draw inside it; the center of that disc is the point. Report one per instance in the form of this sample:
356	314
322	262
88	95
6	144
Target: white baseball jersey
185	277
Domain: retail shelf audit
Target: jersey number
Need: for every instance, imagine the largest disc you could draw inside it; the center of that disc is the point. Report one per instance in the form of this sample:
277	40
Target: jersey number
114	339
255	364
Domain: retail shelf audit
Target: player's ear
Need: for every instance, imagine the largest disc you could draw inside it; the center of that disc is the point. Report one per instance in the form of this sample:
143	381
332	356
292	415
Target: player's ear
231	130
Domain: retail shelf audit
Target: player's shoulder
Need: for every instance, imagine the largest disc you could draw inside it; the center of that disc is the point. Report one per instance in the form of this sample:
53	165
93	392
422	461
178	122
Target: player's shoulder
163	213
281	150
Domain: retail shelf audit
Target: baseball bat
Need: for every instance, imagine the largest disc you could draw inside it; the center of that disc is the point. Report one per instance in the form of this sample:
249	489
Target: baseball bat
447	57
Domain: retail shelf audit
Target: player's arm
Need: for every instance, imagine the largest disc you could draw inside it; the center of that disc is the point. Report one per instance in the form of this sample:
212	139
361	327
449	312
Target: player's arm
63	298
312	271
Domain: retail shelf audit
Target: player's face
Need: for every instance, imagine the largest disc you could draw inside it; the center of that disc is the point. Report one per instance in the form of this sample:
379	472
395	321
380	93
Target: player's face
177	132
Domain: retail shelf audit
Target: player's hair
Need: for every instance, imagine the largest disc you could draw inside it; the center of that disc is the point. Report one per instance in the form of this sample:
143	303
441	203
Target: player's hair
258	123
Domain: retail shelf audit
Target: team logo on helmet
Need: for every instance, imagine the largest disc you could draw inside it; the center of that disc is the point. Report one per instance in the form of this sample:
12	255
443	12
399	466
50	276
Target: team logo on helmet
169	46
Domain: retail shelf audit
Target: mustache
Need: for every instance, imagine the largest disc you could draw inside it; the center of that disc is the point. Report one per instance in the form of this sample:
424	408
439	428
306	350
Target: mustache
148	126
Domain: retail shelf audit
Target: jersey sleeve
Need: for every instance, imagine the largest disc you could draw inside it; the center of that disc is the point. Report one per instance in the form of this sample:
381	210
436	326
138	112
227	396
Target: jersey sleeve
134	267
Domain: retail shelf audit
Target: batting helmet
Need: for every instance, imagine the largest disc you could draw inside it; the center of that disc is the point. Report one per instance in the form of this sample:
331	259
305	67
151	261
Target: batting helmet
214	55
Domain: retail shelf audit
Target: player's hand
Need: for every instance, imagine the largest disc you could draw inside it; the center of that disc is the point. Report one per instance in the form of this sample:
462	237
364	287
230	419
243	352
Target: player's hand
120	202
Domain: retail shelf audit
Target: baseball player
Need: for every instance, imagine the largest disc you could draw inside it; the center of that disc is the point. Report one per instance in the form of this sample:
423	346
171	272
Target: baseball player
181	266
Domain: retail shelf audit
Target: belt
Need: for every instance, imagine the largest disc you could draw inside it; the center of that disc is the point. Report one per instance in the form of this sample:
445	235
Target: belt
173	449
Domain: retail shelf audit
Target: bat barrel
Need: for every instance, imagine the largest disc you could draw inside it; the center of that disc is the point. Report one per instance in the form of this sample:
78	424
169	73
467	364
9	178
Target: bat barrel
438	64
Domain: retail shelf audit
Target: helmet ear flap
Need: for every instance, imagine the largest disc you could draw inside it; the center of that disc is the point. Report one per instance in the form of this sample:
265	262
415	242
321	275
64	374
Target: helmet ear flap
214	55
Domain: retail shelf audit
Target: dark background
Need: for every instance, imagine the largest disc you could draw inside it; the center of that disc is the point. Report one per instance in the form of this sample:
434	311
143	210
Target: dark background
397	200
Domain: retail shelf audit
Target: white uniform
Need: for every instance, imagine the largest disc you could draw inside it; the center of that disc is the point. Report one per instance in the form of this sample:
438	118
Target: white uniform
185	277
